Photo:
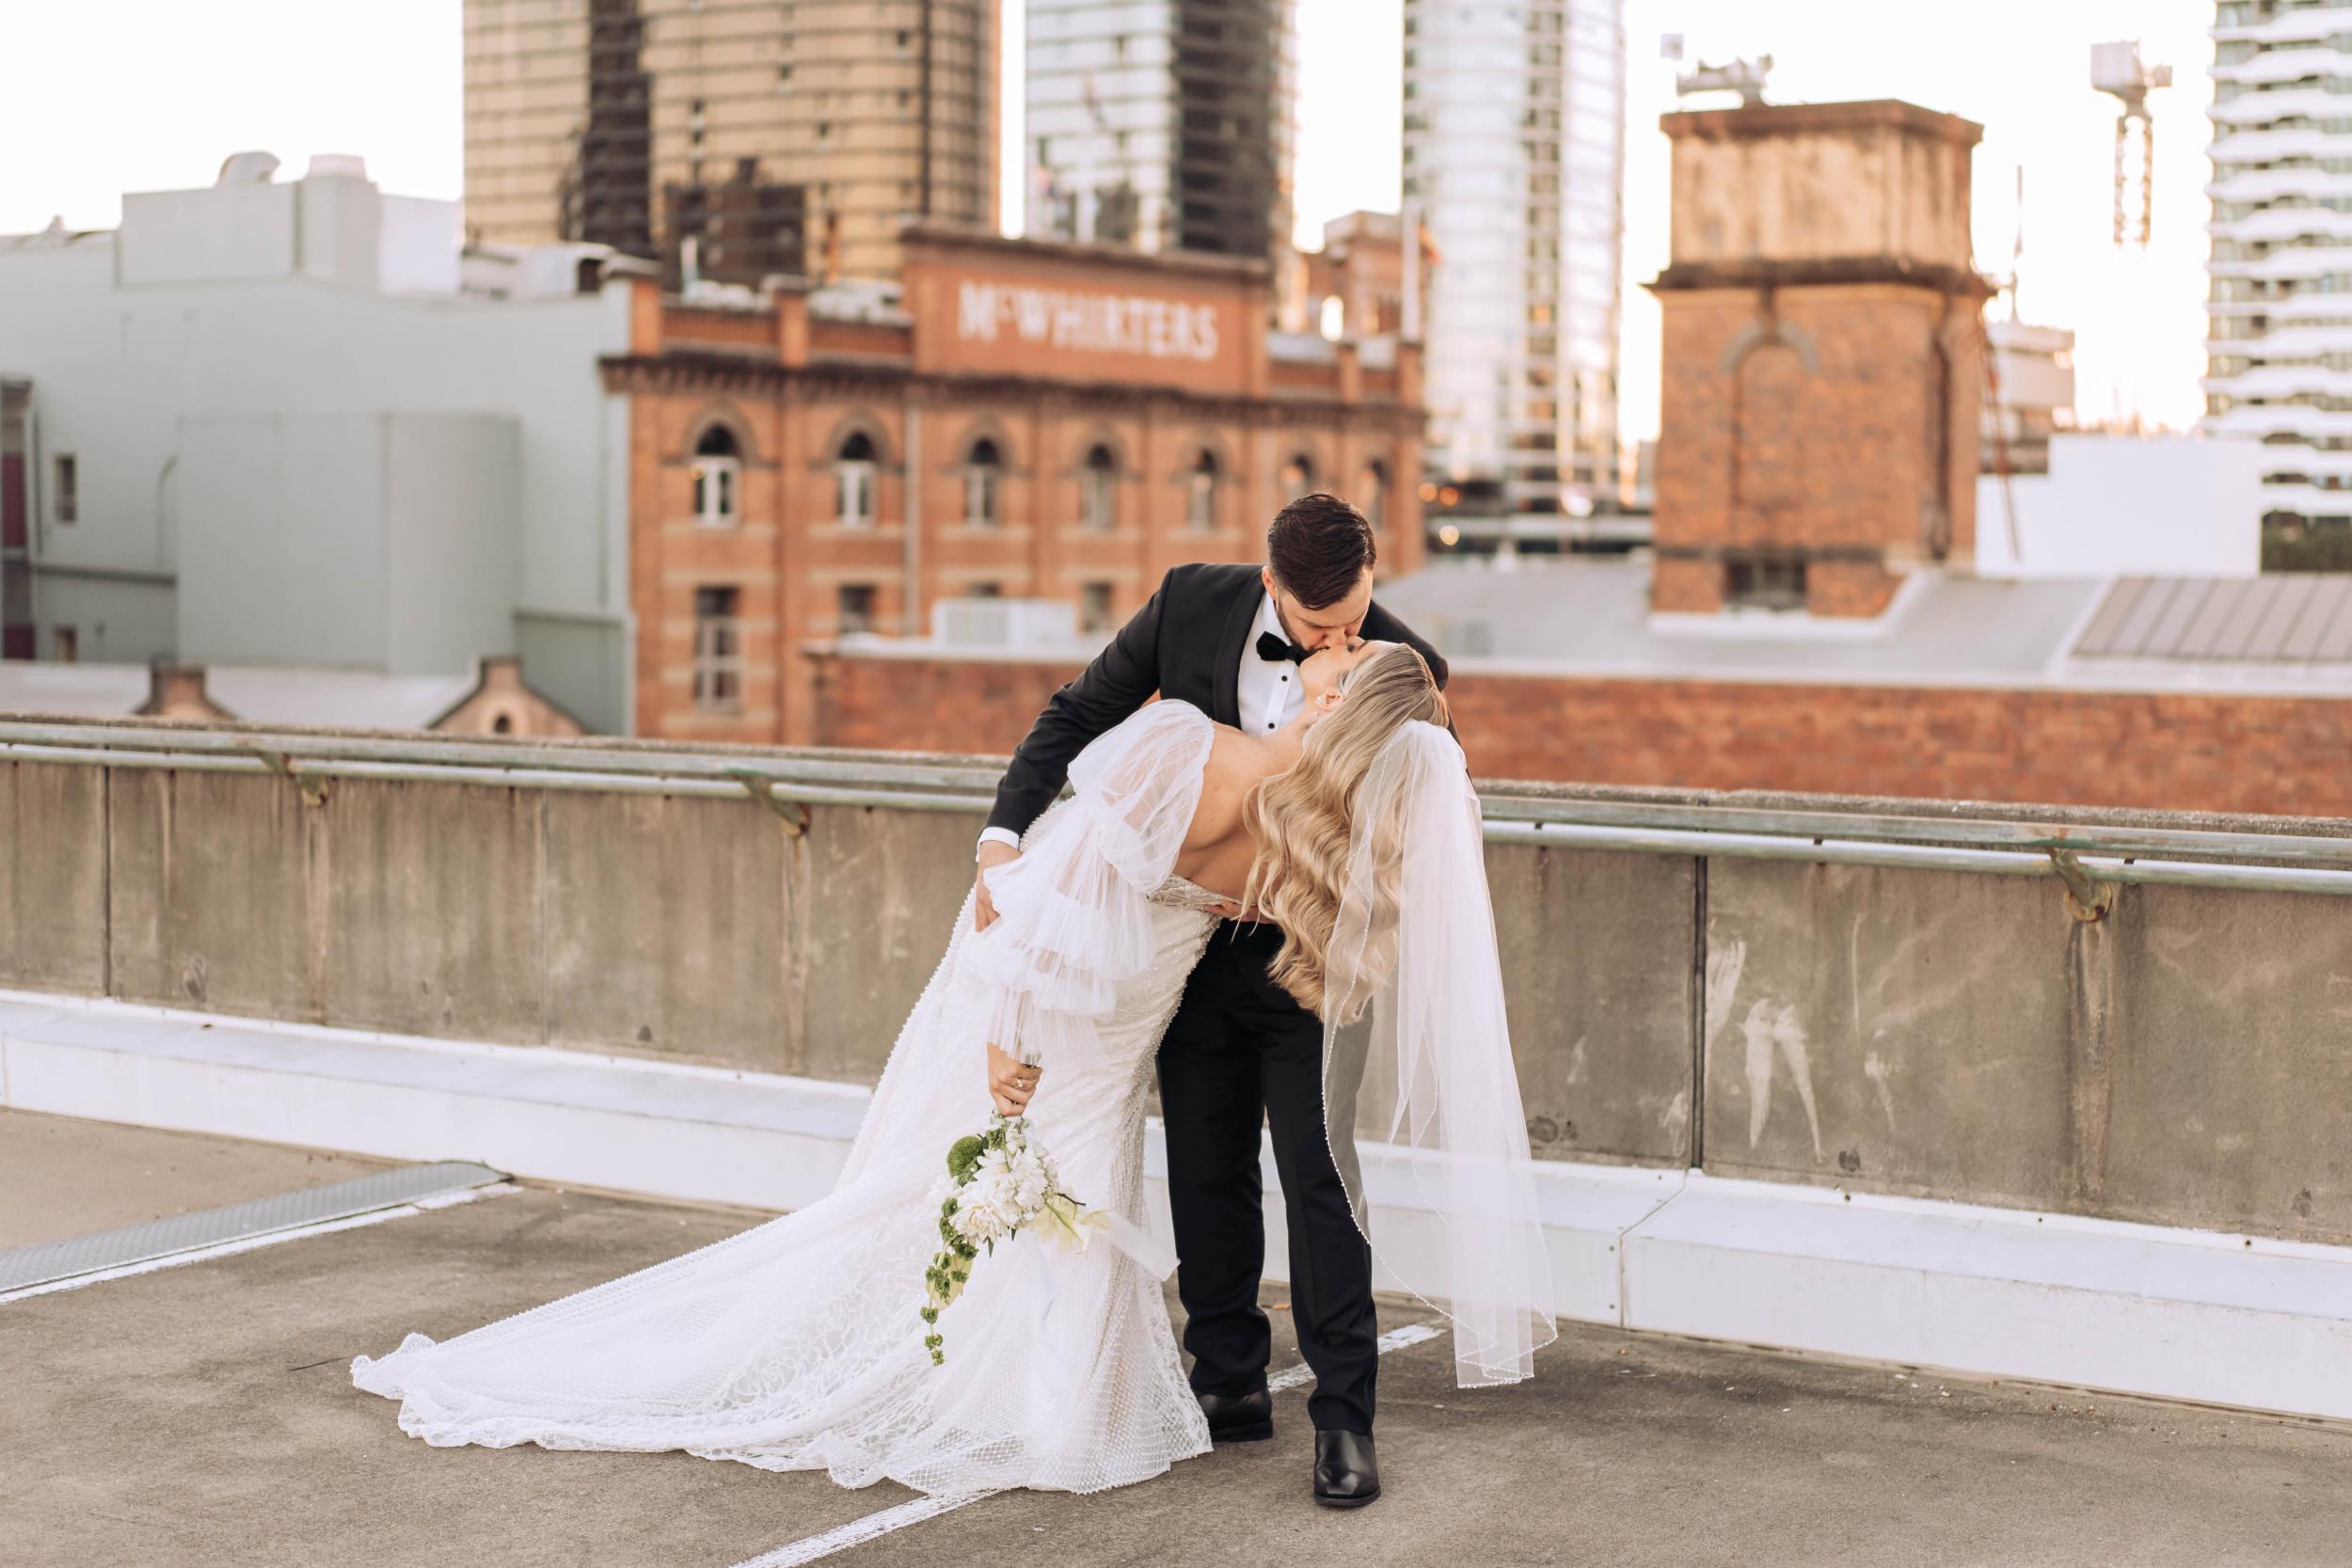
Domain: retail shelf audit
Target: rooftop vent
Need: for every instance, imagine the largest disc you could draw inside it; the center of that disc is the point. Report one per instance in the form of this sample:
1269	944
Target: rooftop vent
247	169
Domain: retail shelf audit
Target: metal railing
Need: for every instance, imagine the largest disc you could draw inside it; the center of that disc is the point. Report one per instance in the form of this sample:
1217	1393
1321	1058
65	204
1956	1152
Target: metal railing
2082	855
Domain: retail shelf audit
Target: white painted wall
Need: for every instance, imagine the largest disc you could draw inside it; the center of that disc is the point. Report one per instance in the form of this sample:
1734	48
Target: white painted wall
200	309
282	528
418	246
207	236
454	559
2119	505
363	541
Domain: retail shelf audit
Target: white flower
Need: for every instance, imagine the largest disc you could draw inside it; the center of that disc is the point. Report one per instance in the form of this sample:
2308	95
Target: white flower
1012	1187
1061	1222
980	1219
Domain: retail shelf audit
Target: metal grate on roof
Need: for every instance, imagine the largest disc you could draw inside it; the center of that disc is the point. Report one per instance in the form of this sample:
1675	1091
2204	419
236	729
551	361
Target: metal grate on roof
48	1261
2285	618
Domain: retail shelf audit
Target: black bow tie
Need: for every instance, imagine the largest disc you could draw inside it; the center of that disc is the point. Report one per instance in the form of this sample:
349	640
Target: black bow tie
1273	650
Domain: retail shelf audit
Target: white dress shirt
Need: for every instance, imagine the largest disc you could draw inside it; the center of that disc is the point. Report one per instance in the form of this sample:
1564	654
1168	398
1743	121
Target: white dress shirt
1269	693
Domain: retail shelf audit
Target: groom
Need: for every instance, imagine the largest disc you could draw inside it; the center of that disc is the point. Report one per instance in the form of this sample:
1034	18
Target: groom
1240	1052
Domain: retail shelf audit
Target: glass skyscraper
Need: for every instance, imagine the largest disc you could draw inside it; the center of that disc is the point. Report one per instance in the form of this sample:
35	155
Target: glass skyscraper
1163	124
1513	165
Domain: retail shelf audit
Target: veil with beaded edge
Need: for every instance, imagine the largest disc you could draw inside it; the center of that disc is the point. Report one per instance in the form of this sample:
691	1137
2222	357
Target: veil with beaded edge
1414	996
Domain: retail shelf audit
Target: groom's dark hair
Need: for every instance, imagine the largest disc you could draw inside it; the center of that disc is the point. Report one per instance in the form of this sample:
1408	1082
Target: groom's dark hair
1320	548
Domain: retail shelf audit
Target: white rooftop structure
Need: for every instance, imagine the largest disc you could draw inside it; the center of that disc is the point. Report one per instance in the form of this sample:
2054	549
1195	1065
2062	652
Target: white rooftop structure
296	422
2165	504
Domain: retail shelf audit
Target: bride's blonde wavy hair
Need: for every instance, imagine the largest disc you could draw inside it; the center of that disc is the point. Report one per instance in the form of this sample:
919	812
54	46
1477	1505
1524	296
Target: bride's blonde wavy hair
1301	817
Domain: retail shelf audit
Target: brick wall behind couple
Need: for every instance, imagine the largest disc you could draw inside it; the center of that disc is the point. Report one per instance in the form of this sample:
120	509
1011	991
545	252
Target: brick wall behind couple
2207	752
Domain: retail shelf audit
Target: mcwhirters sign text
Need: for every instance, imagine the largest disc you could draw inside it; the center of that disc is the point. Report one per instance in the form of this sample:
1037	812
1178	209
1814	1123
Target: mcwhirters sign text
1086	323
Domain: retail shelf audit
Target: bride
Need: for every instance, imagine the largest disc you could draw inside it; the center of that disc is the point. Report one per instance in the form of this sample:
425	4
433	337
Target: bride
796	1345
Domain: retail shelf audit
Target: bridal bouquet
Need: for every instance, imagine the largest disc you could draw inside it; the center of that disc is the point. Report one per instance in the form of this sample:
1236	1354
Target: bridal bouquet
999	1182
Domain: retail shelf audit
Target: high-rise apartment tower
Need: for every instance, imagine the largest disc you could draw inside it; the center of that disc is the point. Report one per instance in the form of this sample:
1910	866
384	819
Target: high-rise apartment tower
2280	340
777	137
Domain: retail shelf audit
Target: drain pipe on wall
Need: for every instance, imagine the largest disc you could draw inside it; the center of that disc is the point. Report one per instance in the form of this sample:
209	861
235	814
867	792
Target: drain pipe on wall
911	592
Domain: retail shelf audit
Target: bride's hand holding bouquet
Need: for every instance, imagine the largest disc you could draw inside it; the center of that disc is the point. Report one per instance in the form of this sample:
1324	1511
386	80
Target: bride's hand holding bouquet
1000	1182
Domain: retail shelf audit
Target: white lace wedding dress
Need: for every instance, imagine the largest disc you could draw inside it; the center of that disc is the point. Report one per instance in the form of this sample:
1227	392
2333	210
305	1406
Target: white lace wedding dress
796	1345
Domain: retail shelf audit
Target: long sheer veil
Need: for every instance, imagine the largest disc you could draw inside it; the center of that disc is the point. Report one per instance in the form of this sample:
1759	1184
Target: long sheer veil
1414	1017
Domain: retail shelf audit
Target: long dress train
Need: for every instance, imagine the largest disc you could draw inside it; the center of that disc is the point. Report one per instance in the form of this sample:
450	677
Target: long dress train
795	1345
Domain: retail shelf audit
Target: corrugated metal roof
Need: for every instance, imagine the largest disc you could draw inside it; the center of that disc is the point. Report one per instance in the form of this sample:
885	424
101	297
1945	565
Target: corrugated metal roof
2283	618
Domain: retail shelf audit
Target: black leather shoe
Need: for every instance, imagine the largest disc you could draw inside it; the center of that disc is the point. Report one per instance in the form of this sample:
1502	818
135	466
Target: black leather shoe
1346	1475
1239	1417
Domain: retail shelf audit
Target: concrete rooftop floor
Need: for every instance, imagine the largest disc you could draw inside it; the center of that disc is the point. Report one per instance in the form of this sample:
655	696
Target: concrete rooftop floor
202	1414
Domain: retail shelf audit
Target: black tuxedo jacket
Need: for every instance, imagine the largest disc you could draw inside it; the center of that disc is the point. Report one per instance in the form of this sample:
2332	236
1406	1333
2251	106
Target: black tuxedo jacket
1186	644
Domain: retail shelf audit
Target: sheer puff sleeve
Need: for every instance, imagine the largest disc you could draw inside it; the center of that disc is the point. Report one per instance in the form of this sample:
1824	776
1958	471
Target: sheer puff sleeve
1072	917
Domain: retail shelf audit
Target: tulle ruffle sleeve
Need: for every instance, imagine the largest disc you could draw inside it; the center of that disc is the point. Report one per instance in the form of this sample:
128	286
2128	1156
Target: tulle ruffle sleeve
1072	918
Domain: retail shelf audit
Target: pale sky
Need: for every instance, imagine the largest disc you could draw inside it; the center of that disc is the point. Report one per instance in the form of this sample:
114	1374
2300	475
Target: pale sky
104	96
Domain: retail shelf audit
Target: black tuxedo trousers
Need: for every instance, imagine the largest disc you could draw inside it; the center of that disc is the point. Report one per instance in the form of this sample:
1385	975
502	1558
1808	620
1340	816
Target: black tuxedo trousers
1240	1052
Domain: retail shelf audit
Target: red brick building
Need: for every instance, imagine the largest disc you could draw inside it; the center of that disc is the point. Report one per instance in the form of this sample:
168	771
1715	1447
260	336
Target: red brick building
2265	753
1822	356
1019	421
1811	619
1355	285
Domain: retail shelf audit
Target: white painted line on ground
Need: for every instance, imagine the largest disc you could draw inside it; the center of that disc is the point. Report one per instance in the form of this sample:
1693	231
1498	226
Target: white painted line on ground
249	1243
858	1532
875	1526
1395	1338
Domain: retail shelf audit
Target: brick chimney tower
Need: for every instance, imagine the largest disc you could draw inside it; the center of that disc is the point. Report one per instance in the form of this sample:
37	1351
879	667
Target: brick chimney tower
1823	359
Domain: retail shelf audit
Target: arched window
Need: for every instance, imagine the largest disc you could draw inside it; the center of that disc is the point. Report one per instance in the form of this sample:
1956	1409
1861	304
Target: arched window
718	479
1200	494
1098	489
854	469
983	469
1376	494
1298	477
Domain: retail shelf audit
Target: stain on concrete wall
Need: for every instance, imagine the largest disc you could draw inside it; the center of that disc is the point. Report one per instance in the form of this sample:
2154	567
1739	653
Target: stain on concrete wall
1901	1031
52	876
1597	950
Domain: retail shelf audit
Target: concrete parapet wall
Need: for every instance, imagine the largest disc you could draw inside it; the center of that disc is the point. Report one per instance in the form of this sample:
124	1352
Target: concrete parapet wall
1931	1033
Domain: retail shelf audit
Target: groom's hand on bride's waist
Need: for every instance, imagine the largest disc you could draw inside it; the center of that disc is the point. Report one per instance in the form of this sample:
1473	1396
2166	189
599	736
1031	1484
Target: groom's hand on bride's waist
991	855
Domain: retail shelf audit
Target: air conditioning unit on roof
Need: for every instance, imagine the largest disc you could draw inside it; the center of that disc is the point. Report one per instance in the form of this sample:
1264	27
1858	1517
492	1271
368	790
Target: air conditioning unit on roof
1010	623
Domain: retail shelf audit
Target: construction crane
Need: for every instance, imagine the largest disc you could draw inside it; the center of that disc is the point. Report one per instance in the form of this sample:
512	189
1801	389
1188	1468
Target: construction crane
2116	68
